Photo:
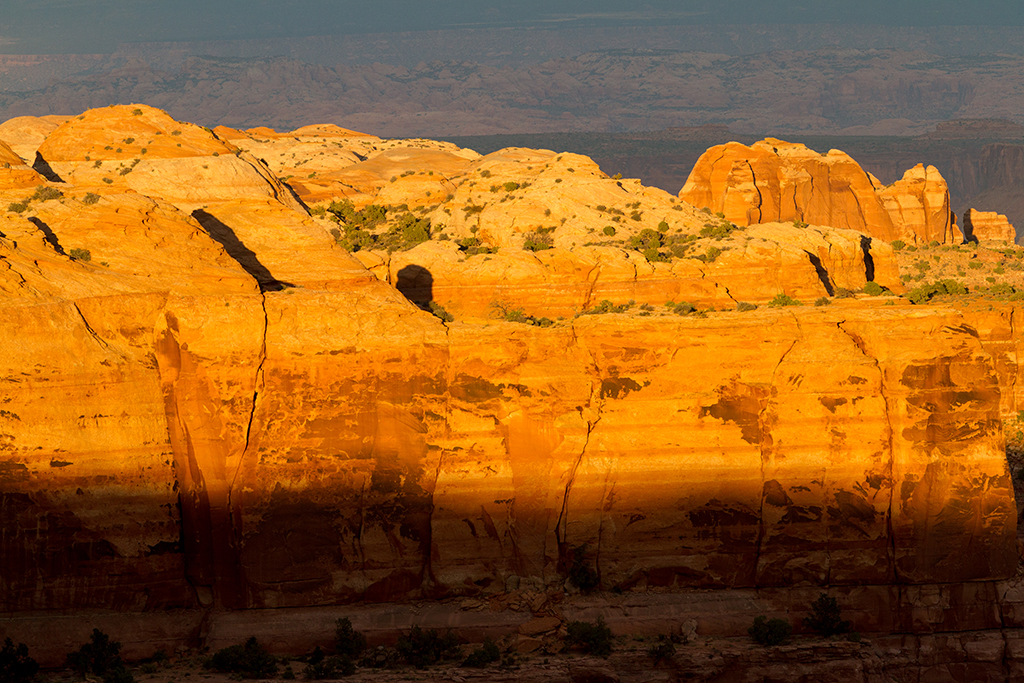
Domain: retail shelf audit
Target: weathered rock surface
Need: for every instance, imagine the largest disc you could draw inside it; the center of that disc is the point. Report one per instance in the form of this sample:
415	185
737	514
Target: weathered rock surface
221	408
988	226
773	180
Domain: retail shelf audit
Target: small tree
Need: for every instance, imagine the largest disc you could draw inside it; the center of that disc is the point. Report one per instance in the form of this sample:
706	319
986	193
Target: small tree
15	664
770	632
594	639
825	617
100	657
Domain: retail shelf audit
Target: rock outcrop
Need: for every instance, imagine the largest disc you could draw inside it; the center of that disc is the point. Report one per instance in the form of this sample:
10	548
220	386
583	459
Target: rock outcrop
209	403
988	226
773	180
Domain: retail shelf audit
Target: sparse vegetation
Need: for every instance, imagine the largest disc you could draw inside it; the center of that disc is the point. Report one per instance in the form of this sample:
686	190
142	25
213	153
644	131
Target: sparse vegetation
872	288
250	660
80	254
15	664
925	293
100	657
483	655
593	639
421	648
770	632
90	198
664	649
781	300
440	313
539	239
516	315
822	301
606	306
744	306
825	618
361	229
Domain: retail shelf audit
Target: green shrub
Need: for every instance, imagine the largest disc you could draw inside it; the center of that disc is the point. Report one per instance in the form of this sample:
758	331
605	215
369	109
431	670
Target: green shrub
18	207
329	667
781	300
90	198
594	639
347	641
581	572
483	655
607	306
100	657
439	312
872	288
743	306
770	631
843	293
250	660
924	293
80	254
44	194
609	230
799	224
538	240
897	245
510	186
485	173
825	617
663	649
975	265
683	308
15	664
822	301
423	648
136	112
663	226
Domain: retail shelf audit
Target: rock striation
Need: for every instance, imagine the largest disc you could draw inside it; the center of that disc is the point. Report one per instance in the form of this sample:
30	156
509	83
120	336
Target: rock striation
219	407
773	180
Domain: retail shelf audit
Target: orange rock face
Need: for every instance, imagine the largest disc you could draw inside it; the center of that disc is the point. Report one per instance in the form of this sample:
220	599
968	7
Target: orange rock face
218	406
773	180
988	226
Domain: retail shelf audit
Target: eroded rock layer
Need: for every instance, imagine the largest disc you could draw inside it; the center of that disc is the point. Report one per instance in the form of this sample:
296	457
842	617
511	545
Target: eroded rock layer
208	402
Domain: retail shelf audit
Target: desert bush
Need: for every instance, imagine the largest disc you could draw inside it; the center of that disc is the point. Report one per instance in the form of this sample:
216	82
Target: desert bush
822	301
683	308
799	224
18	207
898	245
594	639
781	300
439	312
329	667
663	226
843	293
483	655
44	194
80	254
924	293
423	648
975	265
347	641
609	230
100	657
510	186
770	631
607	306
872	288
539	240
15	664
717	231
744	306
250	660
825	617
663	649
90	198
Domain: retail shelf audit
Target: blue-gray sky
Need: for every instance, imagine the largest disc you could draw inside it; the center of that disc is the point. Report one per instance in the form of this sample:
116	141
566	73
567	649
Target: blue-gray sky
96	26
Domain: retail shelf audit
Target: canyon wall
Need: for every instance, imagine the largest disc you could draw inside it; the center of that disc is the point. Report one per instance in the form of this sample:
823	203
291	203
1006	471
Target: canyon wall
218	406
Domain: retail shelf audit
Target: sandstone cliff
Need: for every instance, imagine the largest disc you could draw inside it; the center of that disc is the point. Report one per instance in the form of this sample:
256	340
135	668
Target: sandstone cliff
219	406
988	226
773	180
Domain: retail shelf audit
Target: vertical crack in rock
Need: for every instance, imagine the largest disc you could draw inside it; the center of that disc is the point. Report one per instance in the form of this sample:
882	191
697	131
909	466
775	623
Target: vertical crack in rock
562	523
257	385
859	343
764	451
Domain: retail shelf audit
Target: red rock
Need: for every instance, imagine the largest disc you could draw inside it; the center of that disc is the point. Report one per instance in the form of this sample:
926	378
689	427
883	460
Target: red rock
985	226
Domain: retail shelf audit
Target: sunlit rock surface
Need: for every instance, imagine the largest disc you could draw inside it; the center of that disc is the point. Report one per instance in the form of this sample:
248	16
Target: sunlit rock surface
218	406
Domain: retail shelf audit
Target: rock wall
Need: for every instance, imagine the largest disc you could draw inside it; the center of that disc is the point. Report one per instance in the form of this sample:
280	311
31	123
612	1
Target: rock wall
216	406
773	180
988	226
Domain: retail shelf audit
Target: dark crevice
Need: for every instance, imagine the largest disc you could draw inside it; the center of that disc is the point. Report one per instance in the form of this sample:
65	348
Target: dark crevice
234	247
416	284
48	235
869	261
822	273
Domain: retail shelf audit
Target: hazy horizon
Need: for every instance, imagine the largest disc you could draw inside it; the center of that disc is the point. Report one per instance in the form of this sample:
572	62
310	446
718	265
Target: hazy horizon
99	26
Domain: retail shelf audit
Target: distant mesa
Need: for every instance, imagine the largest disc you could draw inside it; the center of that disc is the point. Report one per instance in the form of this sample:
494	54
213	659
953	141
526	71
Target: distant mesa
977	129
